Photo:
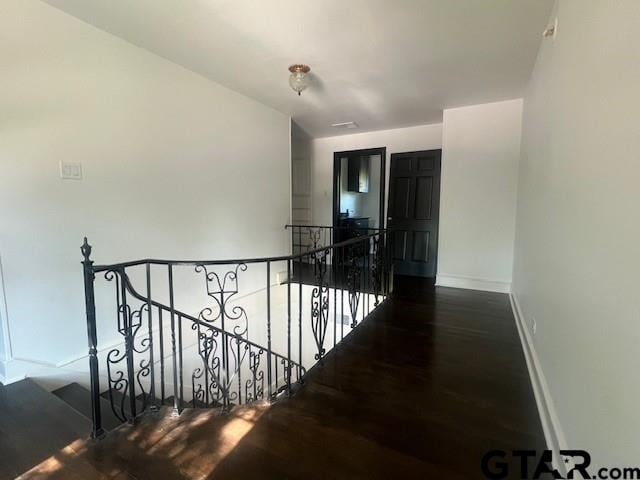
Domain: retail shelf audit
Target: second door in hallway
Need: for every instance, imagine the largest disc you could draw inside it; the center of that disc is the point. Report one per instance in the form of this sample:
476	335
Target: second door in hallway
414	210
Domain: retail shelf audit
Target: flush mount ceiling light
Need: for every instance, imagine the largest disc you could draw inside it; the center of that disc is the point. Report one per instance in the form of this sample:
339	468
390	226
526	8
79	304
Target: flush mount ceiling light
298	78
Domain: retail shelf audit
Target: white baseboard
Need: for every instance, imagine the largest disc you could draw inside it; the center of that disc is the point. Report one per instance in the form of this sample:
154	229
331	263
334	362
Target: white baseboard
553	432
457	281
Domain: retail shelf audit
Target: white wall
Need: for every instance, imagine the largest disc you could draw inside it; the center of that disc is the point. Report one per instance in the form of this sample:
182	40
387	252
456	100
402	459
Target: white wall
174	166
5	348
2	348
577	253
301	206
480	156
481	147
423	137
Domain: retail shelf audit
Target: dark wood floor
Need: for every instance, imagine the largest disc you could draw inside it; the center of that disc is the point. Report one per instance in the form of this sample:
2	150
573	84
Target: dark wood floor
422	389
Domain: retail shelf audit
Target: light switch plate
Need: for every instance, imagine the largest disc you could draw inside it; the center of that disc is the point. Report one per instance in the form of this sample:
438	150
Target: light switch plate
70	170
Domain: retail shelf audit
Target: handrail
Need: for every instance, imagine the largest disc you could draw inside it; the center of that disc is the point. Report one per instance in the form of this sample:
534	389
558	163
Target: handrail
295	225
283	258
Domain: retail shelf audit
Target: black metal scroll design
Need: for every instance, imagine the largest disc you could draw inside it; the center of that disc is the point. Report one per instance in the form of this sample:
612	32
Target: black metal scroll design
354	282
377	269
320	303
319	257
222	290
320	265
315	235
122	377
319	317
255	384
222	351
205	380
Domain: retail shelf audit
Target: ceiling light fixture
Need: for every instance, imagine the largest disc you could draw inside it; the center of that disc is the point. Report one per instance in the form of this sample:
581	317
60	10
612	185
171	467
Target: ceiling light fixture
298	78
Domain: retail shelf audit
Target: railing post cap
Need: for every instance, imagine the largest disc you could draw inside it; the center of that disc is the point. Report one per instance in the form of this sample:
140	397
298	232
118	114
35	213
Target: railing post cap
86	250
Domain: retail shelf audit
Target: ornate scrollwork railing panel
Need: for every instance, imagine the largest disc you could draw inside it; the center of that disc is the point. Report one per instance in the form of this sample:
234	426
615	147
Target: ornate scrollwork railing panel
354	284
226	367
320	317
129	366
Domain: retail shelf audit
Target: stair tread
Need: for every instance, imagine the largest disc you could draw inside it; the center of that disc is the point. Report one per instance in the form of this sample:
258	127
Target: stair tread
34	424
79	398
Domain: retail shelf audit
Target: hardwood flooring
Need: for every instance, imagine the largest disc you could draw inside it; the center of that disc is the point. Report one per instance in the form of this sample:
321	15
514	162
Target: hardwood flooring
422	389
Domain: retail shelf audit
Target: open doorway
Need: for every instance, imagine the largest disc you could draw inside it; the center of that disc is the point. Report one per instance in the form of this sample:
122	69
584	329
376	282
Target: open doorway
358	191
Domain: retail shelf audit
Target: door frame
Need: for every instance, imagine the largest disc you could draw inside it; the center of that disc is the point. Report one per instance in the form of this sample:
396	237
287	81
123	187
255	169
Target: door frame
382	151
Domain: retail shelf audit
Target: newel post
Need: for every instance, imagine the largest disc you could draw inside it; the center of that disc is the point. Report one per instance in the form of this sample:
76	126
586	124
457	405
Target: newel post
89	296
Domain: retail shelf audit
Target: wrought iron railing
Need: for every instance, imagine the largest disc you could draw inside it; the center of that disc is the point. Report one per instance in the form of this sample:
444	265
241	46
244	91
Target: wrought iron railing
173	351
305	238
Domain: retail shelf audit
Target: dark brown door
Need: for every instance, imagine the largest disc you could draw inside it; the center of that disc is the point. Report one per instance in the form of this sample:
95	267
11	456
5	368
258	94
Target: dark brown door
414	210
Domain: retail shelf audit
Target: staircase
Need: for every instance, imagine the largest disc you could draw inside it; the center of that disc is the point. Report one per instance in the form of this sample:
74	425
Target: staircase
35	424
173	361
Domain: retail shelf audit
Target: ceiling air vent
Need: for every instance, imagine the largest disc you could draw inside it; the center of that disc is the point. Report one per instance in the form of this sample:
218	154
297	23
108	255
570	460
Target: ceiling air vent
345	125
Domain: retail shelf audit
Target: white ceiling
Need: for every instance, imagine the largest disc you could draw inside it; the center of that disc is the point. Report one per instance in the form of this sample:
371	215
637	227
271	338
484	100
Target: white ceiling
380	63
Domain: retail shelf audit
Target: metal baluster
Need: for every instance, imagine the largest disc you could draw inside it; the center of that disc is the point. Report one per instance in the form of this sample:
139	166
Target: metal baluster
226	402
299	318
335	293
364	278
255	374
92	335
161	335
239	371
207	392
367	284
288	367
128	345
269	380
174	358
342	280
363	283
152	390
180	363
